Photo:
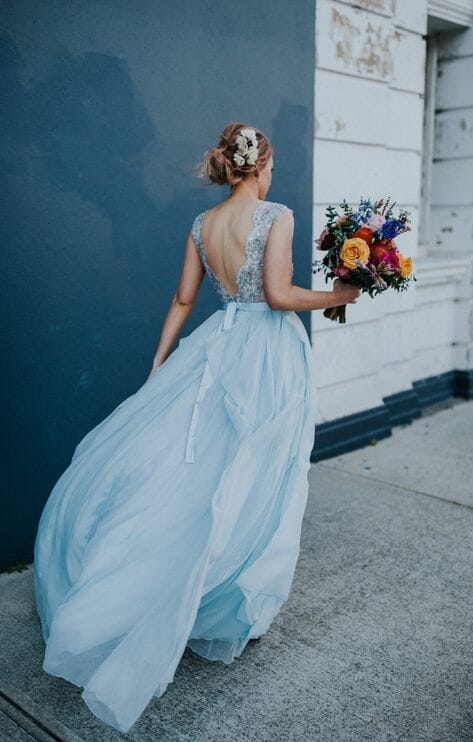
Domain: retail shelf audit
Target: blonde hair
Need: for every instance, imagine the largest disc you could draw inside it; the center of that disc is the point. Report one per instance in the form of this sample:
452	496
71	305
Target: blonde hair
217	162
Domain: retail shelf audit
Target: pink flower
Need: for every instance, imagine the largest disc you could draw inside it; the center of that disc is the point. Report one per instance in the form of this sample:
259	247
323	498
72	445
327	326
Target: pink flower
391	260
381	253
375	222
341	271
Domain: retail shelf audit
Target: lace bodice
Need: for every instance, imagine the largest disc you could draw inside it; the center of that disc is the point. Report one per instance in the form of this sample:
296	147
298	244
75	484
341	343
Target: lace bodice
249	279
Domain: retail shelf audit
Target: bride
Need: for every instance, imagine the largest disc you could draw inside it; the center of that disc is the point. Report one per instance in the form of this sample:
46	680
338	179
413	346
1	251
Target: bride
177	523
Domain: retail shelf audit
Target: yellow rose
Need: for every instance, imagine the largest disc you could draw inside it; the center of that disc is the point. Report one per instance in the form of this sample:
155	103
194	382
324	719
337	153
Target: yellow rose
405	266
354	249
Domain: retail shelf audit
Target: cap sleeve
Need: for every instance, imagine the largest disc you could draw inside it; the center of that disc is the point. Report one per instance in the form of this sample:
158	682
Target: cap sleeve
277	209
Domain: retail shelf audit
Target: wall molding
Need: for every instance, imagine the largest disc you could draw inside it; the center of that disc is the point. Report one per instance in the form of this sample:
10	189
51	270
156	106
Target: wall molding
362	428
434	270
454	11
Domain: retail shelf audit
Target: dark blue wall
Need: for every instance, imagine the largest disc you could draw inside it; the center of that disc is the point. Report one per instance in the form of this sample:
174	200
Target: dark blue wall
108	106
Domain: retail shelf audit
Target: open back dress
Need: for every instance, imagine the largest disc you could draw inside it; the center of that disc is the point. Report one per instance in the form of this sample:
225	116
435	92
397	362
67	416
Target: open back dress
177	522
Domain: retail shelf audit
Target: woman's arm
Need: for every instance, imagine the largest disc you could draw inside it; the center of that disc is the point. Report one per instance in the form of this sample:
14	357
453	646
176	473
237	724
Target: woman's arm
278	288
182	302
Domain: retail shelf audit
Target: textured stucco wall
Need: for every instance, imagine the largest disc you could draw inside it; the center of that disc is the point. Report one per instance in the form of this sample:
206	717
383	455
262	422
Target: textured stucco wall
369	87
369	141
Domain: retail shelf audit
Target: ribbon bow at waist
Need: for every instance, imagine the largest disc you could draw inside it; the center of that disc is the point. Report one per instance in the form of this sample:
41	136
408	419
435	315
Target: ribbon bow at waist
230	308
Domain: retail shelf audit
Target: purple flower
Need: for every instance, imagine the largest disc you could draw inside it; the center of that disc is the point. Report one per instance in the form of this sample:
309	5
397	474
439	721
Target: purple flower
375	222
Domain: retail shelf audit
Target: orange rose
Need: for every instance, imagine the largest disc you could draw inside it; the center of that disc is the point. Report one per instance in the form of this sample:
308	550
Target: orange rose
405	266
354	249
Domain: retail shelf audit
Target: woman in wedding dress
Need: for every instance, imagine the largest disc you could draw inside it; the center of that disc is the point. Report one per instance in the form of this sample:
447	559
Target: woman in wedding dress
177	522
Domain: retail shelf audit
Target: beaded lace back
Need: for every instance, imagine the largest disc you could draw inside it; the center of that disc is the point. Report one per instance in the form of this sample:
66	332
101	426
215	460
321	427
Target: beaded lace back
249	279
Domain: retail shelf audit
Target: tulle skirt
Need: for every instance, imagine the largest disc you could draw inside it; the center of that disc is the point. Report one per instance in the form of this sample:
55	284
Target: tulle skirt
177	523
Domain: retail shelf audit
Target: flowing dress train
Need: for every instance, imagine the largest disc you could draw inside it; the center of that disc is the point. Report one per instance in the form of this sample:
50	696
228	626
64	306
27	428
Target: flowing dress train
177	523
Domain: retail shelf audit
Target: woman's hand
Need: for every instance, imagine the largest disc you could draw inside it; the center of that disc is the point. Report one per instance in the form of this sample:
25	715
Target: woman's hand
346	292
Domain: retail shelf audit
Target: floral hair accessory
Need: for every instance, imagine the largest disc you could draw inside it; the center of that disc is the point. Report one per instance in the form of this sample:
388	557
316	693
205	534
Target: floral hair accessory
247	152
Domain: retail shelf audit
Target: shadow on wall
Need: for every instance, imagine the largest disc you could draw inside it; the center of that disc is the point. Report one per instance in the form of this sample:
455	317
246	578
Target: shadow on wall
82	128
83	268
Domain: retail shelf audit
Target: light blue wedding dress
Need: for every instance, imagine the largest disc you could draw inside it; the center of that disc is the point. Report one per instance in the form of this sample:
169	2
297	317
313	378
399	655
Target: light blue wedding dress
177	523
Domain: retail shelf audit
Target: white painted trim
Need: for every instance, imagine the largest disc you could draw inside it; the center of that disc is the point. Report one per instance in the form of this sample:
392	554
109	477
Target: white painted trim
428	140
454	11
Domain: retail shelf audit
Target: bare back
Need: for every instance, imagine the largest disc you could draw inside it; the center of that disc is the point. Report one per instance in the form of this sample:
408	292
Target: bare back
230	239
224	233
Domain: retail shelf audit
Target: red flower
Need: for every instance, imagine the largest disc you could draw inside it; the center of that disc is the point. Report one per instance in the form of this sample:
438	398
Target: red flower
380	252
387	244
364	233
326	240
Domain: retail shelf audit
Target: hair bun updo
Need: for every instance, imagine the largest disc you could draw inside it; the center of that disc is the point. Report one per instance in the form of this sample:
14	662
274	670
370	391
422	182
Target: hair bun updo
218	162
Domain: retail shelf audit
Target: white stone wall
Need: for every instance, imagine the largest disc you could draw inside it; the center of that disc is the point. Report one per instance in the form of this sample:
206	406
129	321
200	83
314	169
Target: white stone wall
369	101
451	233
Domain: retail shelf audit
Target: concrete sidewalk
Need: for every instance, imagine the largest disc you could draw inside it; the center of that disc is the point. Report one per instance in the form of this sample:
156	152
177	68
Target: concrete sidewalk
375	642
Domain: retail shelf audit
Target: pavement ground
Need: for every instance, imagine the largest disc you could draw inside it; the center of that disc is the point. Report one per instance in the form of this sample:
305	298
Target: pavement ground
374	644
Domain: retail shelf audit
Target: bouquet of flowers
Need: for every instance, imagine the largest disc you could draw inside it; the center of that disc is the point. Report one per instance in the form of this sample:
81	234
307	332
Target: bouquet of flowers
360	249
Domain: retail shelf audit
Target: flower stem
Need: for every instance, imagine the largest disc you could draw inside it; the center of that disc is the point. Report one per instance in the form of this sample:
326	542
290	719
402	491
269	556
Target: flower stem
336	314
